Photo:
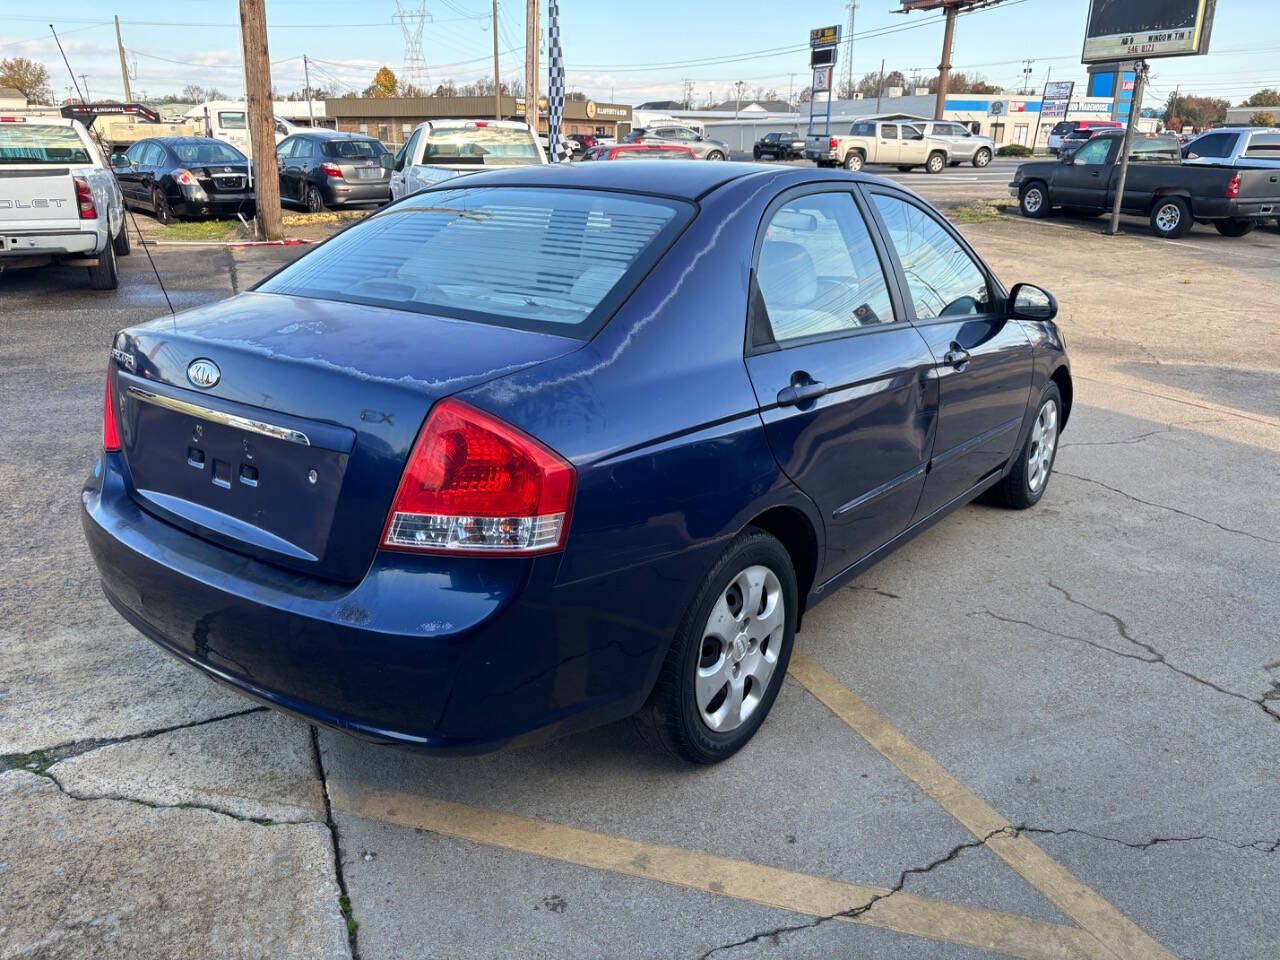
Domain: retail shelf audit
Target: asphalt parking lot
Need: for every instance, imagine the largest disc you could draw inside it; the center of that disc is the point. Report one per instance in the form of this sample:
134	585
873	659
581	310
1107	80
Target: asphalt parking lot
1052	734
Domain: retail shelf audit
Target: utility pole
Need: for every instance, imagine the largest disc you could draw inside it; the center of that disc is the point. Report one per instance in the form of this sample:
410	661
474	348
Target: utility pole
262	121
84	81
306	80
944	68
532	37
848	51
497	87
1135	109
880	87
791	90
1026	76
124	67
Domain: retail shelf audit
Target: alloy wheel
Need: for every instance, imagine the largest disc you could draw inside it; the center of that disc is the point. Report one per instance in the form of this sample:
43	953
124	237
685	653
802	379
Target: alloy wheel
1168	217
1044	441
740	646
1033	200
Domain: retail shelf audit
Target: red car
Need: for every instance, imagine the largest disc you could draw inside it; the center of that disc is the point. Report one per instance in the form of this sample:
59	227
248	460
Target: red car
641	151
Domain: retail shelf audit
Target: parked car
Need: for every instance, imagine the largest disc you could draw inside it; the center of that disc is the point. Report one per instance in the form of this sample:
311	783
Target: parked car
1173	195
704	148
59	202
897	143
440	150
778	146
520	455
963	145
320	169
1235	146
641	151
185	177
1063	128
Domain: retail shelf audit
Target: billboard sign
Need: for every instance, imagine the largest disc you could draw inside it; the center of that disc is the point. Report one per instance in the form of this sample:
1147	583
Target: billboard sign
1054	110
1145	29
1059	90
825	36
821	79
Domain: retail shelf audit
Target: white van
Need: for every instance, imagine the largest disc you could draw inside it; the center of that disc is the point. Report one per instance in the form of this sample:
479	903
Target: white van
228	121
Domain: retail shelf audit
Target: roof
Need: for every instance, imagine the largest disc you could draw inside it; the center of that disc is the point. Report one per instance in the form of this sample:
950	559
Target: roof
769	106
686	181
12	93
661	105
324	133
448	123
186	140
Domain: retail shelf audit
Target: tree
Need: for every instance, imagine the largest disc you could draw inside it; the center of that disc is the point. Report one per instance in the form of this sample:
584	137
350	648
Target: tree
1269	97
806	95
871	84
1199	113
384	84
963	83
1262	119
28	77
446	89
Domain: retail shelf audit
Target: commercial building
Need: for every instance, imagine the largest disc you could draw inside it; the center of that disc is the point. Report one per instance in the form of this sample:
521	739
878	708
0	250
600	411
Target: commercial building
392	119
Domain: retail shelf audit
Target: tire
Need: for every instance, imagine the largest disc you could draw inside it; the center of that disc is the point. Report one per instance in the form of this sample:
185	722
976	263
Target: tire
1171	218
160	208
1033	200
103	274
853	161
1235	228
756	154
121	240
936	163
982	158
312	200
676	717
1027	480
715	155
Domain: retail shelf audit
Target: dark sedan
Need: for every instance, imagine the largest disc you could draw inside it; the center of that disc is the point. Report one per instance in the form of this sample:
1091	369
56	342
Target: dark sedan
548	446
185	177
329	168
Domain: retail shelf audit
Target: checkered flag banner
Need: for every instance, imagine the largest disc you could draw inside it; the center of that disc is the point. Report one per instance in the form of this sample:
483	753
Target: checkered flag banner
560	152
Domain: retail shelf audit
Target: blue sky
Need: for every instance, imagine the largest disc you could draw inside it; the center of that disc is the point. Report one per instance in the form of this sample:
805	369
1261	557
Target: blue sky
633	51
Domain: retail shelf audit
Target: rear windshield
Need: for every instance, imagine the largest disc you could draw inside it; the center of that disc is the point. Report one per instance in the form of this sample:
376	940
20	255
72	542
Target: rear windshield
354	149
209	151
501	146
1264	146
38	143
556	261
1063	128
1156	150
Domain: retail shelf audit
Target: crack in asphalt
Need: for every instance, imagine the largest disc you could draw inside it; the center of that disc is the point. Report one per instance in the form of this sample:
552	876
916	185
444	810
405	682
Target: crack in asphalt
1165	506
344	896
1262	846
74	748
1153	656
866	906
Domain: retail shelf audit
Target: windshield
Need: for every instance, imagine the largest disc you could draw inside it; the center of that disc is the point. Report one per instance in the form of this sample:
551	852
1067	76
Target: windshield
208	151
556	261
38	143
500	146
354	149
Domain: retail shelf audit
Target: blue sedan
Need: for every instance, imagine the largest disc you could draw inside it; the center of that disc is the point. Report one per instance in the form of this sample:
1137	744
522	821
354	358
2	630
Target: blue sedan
547	447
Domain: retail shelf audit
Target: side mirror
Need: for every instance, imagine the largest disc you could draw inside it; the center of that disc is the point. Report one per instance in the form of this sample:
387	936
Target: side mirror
388	161
120	160
1029	302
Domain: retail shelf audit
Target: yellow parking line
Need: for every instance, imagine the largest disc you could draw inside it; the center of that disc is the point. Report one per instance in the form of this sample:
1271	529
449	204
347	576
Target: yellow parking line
1121	936
740	879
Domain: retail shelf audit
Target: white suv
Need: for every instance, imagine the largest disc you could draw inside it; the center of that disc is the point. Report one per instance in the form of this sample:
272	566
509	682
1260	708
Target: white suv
439	150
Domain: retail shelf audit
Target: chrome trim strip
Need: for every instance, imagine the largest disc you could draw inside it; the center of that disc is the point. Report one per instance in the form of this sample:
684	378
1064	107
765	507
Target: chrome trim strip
879	491
217	416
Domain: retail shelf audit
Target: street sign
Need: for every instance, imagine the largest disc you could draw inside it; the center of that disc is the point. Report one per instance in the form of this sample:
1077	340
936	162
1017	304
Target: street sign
821	79
1146	29
825	36
1059	90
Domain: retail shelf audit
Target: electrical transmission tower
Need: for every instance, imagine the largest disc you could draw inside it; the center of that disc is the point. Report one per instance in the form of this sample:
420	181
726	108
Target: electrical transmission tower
412	23
848	51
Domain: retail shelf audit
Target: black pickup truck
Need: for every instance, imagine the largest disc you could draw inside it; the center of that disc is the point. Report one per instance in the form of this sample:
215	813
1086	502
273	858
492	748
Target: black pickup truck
1173	195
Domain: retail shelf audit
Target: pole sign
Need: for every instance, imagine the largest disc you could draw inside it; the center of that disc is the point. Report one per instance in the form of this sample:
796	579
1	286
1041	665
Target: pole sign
823	44
822	80
825	37
1059	90
1146	29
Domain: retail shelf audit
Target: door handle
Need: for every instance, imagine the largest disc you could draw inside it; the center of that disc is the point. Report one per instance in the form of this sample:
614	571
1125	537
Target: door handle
956	357
799	393
1096	174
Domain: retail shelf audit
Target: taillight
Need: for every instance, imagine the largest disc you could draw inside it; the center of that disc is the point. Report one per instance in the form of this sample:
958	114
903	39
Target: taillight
833	144
110	435
1233	188
185	178
84	199
475	484
331	170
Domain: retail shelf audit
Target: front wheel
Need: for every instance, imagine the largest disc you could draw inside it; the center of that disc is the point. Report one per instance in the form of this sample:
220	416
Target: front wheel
853	162
715	155
756	154
1033	200
936	163
1025	483
1171	218
1234	228
729	656
982	158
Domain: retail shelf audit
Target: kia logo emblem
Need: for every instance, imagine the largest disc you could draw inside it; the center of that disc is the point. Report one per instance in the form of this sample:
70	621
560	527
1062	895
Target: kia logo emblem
203	373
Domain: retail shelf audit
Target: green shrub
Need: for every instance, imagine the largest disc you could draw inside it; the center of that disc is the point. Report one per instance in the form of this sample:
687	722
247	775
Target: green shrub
1014	150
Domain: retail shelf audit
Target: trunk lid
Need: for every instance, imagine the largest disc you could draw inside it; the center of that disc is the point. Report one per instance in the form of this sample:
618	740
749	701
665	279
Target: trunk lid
223	177
293	451
363	171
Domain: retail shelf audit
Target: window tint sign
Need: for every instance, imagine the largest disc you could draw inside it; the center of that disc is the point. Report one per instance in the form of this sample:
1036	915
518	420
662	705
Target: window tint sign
1145	29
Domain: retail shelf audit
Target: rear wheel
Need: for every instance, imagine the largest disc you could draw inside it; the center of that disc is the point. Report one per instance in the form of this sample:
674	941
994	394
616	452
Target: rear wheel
1234	228
936	163
1026	481
103	274
313	201
160	208
1171	218
1033	200
982	157
853	162
729	656
121	241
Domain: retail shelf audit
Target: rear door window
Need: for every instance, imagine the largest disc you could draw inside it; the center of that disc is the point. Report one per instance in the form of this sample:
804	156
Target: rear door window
551	260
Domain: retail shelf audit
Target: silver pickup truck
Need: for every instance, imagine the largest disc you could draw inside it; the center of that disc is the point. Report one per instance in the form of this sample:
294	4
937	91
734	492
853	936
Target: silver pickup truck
891	142
59	201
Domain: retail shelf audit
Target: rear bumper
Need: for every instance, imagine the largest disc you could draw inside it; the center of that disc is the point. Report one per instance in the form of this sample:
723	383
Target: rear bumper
338	193
443	654
34	243
215	204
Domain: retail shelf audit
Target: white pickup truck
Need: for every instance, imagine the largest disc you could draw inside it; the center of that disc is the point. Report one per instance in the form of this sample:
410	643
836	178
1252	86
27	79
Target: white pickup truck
440	150
59	201
894	143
